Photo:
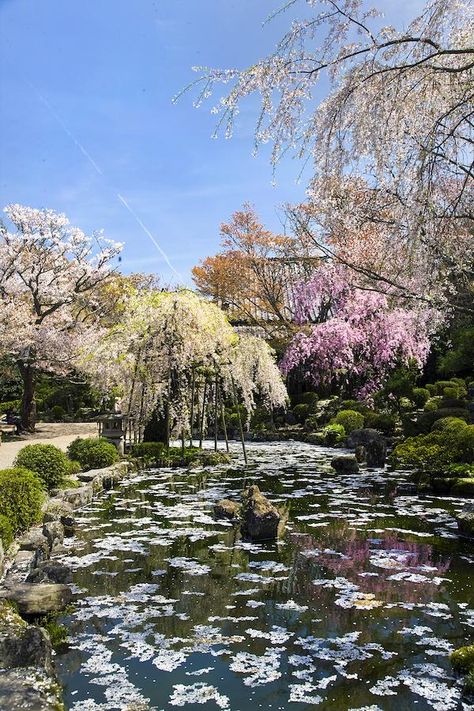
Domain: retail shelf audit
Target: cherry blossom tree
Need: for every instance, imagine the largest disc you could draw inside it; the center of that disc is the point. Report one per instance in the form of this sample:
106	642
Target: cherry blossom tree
170	342
397	115
50	274
353	338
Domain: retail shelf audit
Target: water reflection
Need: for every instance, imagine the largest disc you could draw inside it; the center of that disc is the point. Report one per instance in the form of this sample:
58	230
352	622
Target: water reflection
357	607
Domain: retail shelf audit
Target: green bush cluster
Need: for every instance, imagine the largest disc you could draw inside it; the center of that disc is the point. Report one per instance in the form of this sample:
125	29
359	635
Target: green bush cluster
10	405
22	495
462	660
381	421
301	412
92	452
333	434
151	452
349	419
155	454
451	443
47	461
420	396
6	532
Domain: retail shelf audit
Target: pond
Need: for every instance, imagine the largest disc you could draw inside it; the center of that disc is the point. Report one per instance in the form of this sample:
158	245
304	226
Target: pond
357	607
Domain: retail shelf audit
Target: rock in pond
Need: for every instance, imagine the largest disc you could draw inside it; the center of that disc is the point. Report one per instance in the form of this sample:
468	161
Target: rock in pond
227	509
466	521
31	689
374	444
260	519
345	464
38	598
50	571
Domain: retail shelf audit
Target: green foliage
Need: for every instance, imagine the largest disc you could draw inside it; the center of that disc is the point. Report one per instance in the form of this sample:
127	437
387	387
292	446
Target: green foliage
380	421
463	487
74	467
21	497
58	413
6	532
469	682
151	452
93	452
437	451
440	385
461	358
301	412
308	398
333	434
155	454
47	461
420	396
13	405
312	423
433	403
462	659
431	387
355	405
425	420
448	424
349	419
57	632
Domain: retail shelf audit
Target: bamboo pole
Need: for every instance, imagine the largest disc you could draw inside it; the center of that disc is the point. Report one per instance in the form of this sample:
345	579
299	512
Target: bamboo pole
216	416
191	443
224	425
201	428
234	393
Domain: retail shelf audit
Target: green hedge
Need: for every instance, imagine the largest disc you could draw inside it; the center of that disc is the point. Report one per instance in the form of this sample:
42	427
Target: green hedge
22	495
349	419
47	461
92	452
450	443
6	532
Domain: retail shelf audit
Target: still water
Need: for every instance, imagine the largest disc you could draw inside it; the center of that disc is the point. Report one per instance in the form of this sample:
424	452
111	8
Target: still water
357	607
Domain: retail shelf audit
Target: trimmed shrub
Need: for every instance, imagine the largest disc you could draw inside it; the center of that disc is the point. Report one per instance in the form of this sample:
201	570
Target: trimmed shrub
462	659
151	452
312	423
448	424
433	403
349	419
451	393
47	461
333	434
440	385
355	405
431	387
21	499
463	487
301	412
425	420
382	422
74	467
439	450
93	452
58	413
6	532
13	405
420	396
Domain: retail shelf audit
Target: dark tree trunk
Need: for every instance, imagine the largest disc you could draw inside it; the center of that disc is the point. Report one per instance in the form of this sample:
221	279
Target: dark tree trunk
28	402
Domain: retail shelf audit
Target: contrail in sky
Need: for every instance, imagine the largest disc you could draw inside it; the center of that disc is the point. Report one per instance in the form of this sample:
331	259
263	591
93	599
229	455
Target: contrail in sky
99	171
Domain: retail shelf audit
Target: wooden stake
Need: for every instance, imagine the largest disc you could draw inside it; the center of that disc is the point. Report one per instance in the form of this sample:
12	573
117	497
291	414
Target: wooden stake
216	416
224	425
192	408
201	428
240	420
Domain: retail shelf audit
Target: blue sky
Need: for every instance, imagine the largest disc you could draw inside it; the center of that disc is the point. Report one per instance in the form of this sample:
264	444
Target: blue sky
86	115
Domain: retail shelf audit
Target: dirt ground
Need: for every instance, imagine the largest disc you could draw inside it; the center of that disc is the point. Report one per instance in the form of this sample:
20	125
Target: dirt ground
60	434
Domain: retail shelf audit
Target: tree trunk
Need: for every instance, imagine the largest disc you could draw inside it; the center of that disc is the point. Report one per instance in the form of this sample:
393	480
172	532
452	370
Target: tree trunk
28	403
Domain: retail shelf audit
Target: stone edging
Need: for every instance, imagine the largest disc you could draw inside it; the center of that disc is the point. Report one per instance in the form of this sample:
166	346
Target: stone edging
38	586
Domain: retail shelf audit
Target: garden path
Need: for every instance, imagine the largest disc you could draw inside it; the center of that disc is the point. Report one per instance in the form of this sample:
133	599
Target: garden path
61	434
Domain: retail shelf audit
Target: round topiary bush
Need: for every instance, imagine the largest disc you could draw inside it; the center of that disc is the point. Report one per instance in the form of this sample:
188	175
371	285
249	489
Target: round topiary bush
21	499
381	421
448	424
47	461
93	452
349	419
6	532
420	396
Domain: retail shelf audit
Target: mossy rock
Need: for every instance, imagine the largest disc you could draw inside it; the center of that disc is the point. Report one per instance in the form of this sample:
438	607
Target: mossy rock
462	659
463	487
441	485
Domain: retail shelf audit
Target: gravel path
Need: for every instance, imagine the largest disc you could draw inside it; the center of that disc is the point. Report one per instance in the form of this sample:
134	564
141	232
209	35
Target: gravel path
61	434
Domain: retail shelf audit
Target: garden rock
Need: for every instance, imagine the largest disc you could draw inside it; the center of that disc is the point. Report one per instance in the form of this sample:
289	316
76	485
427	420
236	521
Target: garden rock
22	565
50	571
54	533
226	509
345	464
260	519
36	541
374	443
78	497
22	645
466	522
38	598
30	688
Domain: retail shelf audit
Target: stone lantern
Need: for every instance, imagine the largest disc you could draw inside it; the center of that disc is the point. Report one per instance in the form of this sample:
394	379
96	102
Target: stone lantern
113	428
